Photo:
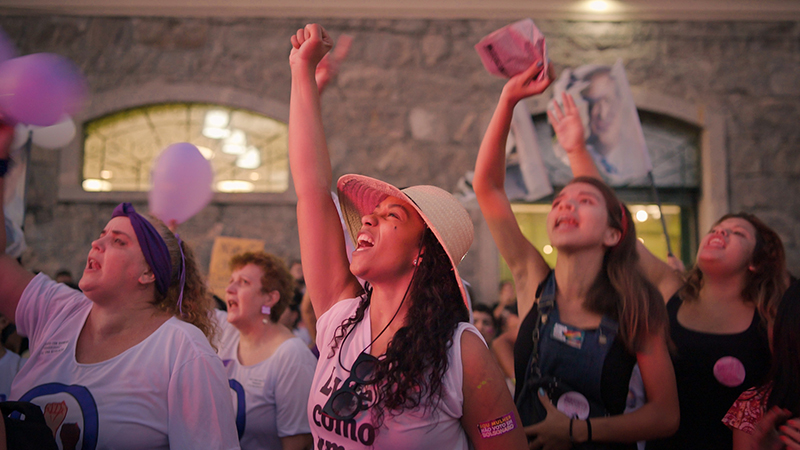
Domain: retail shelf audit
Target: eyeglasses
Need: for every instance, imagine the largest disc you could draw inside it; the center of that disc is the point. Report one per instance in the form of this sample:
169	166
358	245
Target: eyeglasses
348	400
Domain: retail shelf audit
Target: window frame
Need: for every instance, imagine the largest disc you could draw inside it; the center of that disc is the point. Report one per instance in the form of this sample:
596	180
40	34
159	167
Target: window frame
130	97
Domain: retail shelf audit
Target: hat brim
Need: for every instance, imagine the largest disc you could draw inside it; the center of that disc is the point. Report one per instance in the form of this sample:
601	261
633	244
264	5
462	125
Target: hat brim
359	195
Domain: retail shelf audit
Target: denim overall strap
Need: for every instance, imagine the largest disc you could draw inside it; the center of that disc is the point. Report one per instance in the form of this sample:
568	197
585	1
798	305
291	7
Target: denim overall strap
547	296
574	355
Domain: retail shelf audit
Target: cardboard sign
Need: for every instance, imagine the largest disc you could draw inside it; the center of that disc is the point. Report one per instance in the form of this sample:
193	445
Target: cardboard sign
225	248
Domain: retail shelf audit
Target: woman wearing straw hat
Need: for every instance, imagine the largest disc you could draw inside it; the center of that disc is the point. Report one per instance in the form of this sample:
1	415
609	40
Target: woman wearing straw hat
399	366
125	364
589	320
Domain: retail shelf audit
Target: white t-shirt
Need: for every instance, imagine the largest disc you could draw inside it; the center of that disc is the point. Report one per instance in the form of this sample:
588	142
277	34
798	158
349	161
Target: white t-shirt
270	397
438	429
168	391
10	364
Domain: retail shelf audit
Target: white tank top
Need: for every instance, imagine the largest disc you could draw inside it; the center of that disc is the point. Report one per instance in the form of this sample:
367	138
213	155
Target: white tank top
418	429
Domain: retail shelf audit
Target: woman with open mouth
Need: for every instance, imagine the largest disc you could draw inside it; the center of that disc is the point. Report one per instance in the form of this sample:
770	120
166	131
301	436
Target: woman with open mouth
589	320
399	367
269	369
127	363
719	312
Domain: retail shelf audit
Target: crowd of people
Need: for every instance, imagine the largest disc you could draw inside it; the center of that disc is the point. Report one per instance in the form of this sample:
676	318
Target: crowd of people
608	349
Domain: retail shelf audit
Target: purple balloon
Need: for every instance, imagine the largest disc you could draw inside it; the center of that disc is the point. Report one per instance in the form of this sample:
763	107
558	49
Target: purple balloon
181	183
39	89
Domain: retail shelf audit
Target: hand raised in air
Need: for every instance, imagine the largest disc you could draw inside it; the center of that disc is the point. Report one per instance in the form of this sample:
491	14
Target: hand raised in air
526	83
567	123
309	46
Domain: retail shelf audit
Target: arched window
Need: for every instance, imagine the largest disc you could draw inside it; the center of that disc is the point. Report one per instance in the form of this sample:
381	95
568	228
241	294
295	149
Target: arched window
247	150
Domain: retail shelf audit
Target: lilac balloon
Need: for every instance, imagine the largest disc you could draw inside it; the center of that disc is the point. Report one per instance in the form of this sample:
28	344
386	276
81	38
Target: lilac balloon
39	89
181	183
7	50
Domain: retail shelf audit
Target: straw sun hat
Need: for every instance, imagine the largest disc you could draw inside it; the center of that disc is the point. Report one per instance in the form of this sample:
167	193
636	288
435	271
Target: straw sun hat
441	212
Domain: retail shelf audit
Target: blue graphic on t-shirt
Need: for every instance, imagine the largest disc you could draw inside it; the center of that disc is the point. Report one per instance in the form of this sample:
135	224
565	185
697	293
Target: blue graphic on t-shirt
240	405
85	402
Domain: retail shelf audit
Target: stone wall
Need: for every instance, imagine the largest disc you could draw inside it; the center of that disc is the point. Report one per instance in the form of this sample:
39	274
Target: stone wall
412	101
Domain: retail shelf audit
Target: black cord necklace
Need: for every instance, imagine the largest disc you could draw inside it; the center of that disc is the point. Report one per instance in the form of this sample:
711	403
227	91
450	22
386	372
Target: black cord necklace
369	298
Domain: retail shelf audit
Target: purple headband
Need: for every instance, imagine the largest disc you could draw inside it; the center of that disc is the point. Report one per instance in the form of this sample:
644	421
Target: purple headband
153	246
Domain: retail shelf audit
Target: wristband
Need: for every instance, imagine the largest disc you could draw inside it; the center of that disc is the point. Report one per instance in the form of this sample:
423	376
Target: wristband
4	165
571	439
589	430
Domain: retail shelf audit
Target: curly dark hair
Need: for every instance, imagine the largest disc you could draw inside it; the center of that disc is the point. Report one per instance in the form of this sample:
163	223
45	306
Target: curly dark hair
766	283
275	277
411	373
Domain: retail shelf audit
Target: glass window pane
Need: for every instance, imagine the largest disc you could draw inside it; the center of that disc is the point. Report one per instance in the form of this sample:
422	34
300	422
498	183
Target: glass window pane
247	151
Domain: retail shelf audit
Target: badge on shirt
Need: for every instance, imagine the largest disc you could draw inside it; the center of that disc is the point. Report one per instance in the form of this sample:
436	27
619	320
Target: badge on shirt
729	371
573	338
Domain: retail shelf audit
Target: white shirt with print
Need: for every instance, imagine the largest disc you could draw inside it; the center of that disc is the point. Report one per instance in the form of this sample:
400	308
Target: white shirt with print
415	429
269	397
168	391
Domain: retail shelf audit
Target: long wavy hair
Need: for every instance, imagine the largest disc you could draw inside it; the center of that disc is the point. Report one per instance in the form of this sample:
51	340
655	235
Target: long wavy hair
196	307
620	290
411	373
785	369
764	285
275	277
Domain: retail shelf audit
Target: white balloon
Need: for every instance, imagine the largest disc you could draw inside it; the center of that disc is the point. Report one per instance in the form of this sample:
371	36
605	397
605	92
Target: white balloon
20	135
54	136
182	180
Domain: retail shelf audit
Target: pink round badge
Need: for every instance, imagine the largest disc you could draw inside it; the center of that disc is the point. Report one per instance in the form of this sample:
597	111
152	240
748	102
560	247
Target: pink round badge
573	404
729	371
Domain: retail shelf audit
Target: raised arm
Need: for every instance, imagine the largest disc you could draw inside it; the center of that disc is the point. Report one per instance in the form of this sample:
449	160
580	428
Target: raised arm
568	126
328	68
13	278
663	276
527	265
322	247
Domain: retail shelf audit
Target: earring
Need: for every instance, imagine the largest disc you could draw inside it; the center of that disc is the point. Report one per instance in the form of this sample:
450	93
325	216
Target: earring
415	262
266	310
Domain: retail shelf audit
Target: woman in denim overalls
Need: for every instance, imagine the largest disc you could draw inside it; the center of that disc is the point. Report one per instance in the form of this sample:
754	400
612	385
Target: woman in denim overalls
601	298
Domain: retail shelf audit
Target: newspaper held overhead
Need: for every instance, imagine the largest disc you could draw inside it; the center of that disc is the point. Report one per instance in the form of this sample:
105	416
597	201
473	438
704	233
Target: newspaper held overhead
512	49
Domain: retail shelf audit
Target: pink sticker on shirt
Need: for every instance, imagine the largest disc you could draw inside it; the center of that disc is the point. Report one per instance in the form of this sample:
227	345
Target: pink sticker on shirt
574	405
729	371
497	427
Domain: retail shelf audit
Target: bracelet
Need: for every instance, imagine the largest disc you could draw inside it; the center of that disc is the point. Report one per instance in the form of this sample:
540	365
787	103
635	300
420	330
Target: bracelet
589	430
4	165
571	439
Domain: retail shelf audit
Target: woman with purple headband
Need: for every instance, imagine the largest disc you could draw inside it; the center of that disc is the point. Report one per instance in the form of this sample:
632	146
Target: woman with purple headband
127	364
